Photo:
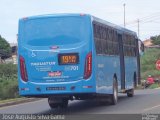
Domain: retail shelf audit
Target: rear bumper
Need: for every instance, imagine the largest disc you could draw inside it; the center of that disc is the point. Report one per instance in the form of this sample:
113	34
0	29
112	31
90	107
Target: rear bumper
62	88
82	96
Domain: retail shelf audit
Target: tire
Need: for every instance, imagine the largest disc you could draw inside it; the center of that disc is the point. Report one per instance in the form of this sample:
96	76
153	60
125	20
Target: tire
53	104
64	104
114	96
130	93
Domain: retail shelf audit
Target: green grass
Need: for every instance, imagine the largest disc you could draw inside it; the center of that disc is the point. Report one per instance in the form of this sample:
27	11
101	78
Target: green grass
8	81
148	61
8	70
11	100
8	88
153	86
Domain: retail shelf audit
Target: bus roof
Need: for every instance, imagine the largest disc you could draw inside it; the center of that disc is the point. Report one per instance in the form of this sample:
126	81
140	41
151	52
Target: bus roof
82	14
54	15
113	25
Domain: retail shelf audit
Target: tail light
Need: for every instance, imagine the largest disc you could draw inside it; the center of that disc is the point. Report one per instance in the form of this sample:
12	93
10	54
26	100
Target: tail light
23	70
88	66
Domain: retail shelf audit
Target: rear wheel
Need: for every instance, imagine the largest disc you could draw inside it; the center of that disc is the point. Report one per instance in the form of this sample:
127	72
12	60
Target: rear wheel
56	103
114	96
64	103
52	103
130	93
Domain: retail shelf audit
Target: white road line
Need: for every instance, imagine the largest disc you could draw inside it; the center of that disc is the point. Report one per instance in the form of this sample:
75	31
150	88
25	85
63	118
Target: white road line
147	109
1	108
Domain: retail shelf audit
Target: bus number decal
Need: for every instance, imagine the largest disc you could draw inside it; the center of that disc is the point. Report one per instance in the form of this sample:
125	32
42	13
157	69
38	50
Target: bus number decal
71	68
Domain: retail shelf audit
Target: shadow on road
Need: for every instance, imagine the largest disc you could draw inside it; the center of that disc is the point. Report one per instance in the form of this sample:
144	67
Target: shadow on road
79	107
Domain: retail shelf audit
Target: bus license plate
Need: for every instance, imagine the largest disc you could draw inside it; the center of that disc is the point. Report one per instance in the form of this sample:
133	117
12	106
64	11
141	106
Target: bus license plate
68	58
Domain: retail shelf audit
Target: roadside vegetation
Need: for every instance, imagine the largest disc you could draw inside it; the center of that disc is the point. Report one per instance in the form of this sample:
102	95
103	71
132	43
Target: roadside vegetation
155	40
5	49
153	86
8	73
148	61
8	81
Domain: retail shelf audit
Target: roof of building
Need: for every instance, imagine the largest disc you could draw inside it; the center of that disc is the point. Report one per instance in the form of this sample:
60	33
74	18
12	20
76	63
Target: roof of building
147	42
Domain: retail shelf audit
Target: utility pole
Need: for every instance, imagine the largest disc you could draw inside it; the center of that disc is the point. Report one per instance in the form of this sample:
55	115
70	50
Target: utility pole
138	27
124	5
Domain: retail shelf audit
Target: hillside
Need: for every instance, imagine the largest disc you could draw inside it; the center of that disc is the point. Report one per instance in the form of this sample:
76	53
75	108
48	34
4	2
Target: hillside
148	63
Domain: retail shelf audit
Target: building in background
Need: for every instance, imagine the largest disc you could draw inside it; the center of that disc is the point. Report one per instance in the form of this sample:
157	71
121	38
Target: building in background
147	43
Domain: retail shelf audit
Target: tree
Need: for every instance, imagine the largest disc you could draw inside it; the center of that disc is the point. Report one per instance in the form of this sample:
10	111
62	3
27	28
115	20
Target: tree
155	39
5	49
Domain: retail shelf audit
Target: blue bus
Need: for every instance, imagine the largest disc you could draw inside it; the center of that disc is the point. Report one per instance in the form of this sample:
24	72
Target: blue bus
66	57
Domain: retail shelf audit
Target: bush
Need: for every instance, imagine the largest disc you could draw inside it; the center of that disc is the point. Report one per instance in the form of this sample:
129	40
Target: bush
8	81
8	70
4	48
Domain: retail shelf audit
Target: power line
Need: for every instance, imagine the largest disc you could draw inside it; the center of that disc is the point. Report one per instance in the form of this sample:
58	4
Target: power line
134	24
143	20
150	29
152	17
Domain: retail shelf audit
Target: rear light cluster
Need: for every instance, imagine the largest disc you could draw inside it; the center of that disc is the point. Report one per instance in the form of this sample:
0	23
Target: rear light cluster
88	66
23	70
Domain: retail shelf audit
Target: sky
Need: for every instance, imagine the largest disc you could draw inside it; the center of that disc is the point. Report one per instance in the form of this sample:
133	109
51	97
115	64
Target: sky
147	11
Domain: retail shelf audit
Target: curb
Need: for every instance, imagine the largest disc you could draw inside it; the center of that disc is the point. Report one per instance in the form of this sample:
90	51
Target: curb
19	102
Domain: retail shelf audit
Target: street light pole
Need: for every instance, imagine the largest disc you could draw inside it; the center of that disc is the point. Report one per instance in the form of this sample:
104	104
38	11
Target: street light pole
124	5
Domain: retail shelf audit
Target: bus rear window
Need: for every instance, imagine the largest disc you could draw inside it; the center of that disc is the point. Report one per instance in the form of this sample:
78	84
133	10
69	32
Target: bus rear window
55	31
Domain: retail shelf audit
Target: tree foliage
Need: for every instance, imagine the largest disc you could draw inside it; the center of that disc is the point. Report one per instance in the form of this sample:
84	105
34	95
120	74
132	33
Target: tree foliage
155	39
5	49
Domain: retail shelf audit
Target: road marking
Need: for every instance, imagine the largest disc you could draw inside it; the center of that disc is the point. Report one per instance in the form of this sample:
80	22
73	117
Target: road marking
20	104
147	109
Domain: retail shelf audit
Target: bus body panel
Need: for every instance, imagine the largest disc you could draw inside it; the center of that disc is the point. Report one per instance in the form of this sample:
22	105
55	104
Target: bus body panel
131	69
42	41
106	67
109	66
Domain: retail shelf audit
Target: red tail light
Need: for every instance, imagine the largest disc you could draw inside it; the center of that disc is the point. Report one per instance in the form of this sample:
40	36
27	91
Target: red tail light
88	66
23	70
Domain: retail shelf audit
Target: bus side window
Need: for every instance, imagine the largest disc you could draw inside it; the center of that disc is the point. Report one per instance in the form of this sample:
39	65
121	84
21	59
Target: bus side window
141	47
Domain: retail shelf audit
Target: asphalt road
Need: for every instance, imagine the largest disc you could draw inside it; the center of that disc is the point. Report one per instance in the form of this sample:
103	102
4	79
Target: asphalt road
144	101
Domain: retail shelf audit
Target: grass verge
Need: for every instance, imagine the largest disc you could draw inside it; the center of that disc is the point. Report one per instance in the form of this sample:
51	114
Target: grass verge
12	100
153	86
